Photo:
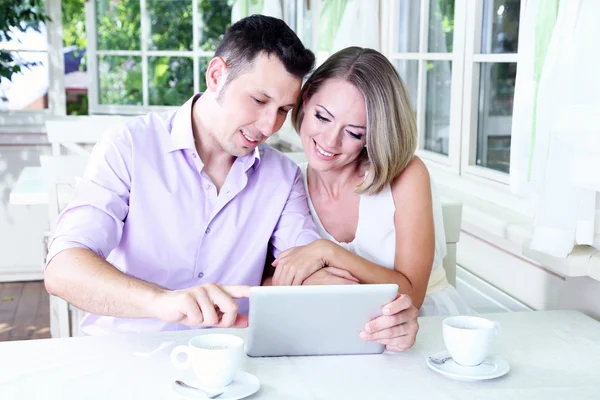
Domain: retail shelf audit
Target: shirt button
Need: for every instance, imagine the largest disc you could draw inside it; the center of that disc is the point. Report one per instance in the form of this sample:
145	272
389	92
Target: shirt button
201	274
194	155
207	187
207	231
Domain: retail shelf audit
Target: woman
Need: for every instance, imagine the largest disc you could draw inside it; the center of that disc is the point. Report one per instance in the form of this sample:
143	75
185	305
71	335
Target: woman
369	195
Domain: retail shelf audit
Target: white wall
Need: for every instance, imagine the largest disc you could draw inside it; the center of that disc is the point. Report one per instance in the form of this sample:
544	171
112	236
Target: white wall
526	280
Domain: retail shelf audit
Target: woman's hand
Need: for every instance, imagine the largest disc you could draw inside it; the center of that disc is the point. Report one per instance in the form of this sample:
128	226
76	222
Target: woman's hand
398	326
294	265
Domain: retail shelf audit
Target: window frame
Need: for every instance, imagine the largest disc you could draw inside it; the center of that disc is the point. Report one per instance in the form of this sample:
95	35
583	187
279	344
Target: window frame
57	107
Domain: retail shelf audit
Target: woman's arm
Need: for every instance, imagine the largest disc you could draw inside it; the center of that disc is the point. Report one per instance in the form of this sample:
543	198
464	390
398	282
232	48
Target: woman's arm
415	244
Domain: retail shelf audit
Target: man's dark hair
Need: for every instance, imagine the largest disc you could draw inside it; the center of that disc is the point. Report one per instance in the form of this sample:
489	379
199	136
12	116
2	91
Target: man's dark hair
256	34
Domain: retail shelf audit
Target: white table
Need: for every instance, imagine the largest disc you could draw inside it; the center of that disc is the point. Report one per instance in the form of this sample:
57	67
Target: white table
553	355
30	188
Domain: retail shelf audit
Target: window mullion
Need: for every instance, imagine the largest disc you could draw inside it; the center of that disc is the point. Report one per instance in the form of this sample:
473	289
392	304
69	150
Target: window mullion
91	55
422	86
424	27
458	82
57	99
145	31
196	45
471	85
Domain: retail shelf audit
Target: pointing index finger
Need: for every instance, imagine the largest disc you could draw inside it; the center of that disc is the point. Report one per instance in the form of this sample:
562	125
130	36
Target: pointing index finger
236	291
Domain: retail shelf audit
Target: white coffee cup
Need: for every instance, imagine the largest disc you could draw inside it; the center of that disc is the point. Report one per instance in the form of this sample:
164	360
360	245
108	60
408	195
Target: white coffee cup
214	358
469	339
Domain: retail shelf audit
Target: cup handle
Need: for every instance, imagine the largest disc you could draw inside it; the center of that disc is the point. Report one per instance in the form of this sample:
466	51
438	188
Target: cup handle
176	352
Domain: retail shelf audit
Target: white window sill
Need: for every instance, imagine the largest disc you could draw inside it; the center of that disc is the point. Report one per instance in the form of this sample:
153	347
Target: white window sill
510	230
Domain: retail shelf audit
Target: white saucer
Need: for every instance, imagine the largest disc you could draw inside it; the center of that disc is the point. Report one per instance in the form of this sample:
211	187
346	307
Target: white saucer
492	367
244	385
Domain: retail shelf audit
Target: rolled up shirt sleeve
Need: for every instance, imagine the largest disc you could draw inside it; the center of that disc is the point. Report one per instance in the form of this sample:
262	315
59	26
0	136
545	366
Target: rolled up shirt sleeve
295	226
94	218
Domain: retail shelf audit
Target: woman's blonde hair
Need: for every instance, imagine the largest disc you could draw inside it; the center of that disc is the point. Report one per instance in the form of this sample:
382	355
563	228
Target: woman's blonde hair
391	138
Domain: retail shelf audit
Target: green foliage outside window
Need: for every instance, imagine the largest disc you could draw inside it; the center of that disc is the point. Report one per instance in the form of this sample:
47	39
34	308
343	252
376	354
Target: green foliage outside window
119	24
444	14
170	79
73	21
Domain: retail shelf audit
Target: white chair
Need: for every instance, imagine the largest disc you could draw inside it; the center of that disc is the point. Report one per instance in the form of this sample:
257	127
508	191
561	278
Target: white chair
60	173
73	134
452	214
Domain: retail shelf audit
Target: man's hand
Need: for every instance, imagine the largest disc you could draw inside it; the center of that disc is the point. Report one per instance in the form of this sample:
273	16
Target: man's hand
397	328
331	276
204	305
294	265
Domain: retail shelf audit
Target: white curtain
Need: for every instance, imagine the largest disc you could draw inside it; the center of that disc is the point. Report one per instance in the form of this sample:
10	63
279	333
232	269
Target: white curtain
359	26
555	153
244	8
273	8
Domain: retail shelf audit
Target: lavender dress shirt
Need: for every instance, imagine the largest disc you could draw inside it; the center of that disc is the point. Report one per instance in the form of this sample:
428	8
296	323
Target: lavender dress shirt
146	206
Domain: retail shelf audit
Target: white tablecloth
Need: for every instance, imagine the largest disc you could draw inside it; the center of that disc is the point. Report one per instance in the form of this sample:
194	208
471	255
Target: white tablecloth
553	355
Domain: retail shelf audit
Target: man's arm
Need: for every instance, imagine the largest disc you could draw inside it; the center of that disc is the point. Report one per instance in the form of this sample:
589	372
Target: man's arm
87	281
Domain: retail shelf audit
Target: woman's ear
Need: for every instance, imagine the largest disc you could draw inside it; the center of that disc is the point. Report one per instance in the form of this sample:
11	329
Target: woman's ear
215	74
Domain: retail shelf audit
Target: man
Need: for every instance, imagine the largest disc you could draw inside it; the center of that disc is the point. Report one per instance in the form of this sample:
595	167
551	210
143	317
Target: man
172	203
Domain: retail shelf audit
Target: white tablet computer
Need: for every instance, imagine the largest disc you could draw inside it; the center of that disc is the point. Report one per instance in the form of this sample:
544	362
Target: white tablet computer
314	320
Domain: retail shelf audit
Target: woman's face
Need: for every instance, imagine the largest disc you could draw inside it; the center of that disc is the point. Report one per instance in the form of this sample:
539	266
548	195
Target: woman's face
333	130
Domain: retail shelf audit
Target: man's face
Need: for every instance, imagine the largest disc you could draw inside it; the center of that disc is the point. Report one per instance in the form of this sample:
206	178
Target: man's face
254	105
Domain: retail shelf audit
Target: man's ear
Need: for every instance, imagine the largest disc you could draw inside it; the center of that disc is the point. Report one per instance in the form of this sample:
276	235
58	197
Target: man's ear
216	74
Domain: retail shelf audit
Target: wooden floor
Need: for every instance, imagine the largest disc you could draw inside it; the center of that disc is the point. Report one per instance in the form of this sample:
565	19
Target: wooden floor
24	311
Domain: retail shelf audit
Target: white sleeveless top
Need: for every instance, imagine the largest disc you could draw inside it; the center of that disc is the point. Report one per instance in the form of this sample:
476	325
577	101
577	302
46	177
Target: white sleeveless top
375	238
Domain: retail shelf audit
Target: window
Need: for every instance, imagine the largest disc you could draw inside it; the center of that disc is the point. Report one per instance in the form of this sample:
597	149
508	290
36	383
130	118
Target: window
145	54
458	59
427	54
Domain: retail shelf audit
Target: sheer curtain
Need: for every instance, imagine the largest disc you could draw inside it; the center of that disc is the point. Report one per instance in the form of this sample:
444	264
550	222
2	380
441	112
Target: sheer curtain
244	8
359	26
555	154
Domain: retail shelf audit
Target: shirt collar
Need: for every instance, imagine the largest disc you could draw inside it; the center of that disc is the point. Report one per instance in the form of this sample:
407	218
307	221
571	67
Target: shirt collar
182	135
252	160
